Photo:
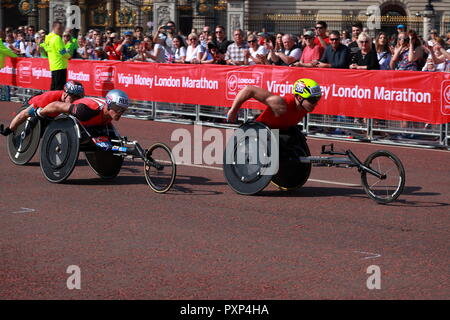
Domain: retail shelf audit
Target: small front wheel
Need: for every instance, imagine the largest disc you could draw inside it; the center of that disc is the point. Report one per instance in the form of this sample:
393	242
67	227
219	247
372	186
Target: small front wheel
160	168
390	186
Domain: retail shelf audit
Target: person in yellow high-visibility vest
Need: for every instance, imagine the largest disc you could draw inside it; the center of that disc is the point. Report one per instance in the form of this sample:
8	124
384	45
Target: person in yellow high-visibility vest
58	56
4	51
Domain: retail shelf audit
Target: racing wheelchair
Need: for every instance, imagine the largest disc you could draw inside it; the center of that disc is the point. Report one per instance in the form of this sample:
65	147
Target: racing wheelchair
64	137
255	156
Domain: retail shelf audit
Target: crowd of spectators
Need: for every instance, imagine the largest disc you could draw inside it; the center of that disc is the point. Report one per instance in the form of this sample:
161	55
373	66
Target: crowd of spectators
316	47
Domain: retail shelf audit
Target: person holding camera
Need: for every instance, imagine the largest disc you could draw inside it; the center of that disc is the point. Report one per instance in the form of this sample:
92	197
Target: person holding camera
407	53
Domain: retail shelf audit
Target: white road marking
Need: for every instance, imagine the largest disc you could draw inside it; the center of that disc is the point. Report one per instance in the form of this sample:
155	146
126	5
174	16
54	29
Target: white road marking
313	180
25	210
371	255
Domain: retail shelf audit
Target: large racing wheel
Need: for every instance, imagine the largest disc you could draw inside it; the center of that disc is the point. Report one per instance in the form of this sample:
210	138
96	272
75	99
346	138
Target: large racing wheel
292	174
60	148
251	158
24	141
105	164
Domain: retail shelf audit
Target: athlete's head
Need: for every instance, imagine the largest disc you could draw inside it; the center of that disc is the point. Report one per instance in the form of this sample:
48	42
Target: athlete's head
73	90
307	92
117	103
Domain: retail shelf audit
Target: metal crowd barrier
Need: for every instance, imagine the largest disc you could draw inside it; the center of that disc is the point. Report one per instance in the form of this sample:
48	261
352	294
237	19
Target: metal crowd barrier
380	131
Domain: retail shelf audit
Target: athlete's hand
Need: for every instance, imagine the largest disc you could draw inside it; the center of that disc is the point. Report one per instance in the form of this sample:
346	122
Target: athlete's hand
231	116
5	131
35	113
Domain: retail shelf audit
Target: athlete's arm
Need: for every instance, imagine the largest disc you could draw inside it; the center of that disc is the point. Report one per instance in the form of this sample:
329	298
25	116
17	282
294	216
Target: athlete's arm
55	107
276	103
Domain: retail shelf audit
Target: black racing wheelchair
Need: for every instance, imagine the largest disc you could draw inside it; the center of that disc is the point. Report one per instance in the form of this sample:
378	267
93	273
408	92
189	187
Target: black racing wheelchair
64	137
256	156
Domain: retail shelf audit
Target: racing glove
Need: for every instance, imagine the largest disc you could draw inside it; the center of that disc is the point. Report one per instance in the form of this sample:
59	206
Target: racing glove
35	113
5	131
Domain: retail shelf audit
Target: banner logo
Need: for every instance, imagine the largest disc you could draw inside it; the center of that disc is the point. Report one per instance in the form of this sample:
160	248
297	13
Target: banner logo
445	97
104	77
24	71
238	80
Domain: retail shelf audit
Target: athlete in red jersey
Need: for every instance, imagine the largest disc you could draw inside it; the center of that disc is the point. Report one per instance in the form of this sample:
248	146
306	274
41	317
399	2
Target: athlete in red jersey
73	90
281	113
92	111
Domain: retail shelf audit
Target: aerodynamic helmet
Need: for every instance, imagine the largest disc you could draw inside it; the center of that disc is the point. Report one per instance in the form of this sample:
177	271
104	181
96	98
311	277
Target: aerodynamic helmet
307	89
117	100
74	88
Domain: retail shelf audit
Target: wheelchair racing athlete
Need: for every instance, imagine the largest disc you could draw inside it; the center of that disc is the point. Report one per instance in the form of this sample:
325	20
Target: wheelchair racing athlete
91	111
281	113
73	90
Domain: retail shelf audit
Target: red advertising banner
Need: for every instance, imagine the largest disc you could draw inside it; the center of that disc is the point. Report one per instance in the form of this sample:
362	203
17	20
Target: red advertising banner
390	95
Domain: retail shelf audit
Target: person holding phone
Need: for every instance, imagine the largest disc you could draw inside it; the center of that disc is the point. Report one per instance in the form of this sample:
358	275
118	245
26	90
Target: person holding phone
407	52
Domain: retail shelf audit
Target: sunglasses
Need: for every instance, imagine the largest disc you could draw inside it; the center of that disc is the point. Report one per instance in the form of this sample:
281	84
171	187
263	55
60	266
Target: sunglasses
307	38
364	41
118	109
250	41
334	39
319	27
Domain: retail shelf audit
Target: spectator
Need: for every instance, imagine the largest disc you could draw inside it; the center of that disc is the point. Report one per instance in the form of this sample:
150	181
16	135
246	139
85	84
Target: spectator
9	43
311	52
138	34
336	55
221	41
321	38
29	36
58	57
291	54
236	51
95	34
407	52
365	58
384	51
279	42
436	54
111	45
195	51
255	52
345	38
213	55
4	51
357	28
180	49
20	44
157	52
68	43
32	50
82	48
126	48
99	54
433	37
89	36
430	66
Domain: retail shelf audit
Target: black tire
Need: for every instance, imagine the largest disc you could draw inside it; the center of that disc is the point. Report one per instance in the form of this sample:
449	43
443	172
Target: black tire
104	163
29	145
160	168
292	174
384	190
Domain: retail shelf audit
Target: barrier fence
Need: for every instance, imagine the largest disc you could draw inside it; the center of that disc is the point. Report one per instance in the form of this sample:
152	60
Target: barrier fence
378	106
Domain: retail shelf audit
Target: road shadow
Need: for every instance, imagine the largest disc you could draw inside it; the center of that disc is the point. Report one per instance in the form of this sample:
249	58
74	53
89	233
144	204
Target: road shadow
357	192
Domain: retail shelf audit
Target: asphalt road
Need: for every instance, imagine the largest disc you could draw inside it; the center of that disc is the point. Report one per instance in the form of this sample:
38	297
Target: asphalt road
203	241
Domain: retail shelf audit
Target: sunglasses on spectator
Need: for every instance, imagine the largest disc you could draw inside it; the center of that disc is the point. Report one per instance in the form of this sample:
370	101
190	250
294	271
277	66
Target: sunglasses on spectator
219	31
250	41
334	39
307	38
320	27
364	41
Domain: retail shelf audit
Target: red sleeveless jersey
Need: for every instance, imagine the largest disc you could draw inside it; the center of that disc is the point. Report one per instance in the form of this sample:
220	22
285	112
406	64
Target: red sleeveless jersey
290	118
44	99
97	105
